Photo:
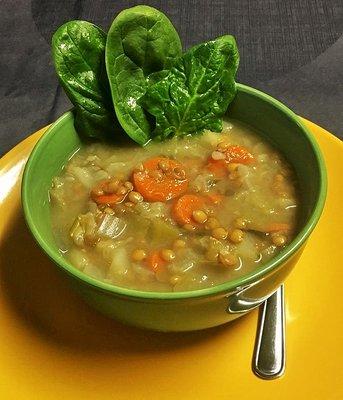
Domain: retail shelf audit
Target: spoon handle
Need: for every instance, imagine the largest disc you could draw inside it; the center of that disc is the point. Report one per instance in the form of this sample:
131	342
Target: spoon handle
269	354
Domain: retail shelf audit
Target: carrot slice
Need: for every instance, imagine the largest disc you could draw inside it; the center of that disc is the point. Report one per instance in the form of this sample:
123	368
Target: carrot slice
183	208
215	198
277	227
166	186
107	199
238	154
233	154
154	261
217	167
272	227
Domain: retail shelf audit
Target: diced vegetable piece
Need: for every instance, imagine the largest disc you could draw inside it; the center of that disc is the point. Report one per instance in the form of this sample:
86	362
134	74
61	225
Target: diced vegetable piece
93	271
82	175
79	258
139	225
77	233
105	248
202	183
247	248
144	274
215	198
111	226
83	227
120	264
155	262
161	231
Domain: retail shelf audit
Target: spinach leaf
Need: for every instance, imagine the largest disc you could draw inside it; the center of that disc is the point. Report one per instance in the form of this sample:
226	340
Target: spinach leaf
79	56
141	41
196	92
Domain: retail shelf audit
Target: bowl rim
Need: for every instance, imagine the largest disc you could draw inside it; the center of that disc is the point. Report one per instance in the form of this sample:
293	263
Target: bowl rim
226	287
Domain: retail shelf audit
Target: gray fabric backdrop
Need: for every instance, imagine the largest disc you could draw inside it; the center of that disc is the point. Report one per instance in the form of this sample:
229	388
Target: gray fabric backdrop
290	49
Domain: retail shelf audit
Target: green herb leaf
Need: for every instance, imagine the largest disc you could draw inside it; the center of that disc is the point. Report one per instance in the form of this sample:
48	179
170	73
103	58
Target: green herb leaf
141	41
79	55
196	92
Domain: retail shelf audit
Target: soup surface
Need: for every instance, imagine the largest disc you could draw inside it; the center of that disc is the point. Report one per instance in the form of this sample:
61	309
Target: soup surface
180	215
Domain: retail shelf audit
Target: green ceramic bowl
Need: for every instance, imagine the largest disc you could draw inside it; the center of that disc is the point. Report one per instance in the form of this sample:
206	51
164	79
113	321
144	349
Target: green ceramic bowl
196	309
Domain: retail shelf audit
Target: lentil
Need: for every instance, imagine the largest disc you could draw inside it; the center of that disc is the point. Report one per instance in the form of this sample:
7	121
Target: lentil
179	173
199	216
228	260
279	240
189	227
135	197
219	233
121	190
163	165
112	186
212	223
211	254
236	235
240	223
138	255
128	185
157	175
179	244
167	255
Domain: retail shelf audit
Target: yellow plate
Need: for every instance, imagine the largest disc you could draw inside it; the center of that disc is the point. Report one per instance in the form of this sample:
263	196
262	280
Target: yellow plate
53	346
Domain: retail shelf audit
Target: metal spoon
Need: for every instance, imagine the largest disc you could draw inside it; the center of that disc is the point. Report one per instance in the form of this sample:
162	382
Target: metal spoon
269	353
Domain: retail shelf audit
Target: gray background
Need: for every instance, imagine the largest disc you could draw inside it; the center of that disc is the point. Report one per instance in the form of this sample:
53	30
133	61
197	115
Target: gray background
290	49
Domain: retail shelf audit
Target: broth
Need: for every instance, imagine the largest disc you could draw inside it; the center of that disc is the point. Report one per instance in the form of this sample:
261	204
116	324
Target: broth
179	215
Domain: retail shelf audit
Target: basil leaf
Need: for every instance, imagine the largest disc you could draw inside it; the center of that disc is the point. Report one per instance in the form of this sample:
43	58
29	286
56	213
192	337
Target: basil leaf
197	90
141	41
78	49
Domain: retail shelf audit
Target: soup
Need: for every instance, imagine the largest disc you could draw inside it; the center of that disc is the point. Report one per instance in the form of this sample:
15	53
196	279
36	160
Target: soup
179	215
